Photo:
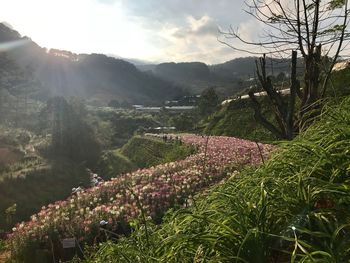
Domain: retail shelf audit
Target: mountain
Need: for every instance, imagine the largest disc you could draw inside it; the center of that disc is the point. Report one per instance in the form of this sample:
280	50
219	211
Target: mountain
239	67
245	67
95	77
137	62
227	78
183	72
193	76
102	78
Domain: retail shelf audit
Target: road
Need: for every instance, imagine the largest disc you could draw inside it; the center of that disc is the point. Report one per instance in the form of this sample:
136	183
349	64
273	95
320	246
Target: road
257	94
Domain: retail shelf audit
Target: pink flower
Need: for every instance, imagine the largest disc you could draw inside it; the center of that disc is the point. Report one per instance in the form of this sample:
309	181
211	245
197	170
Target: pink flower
156	188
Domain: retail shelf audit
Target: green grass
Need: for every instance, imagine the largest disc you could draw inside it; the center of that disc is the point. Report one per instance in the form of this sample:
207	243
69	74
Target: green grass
237	120
294	208
146	152
113	163
140	152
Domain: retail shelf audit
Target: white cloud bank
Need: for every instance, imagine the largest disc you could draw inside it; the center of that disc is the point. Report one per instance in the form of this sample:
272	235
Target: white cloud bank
154	30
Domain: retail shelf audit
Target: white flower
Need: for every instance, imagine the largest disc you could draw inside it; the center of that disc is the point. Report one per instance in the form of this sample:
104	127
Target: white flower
103	223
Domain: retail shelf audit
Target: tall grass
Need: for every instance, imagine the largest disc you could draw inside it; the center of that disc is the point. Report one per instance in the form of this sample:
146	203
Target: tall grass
294	208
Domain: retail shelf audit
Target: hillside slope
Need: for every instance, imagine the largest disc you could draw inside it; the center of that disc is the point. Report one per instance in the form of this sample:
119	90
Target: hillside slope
140	152
237	119
27	182
146	152
295	208
98	76
146	192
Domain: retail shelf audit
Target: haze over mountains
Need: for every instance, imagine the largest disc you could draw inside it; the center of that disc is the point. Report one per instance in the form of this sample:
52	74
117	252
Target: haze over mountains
100	78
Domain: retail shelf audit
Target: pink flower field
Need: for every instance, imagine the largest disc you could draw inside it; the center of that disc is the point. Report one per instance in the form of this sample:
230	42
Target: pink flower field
151	191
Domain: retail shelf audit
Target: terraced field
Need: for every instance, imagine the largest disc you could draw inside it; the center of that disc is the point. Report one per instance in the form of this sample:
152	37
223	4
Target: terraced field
146	192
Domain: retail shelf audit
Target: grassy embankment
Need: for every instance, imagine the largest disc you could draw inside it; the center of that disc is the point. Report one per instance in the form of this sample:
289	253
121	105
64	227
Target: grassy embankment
294	208
237	118
141	152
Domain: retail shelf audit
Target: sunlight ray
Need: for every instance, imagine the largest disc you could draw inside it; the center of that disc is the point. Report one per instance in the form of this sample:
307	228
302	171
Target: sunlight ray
9	45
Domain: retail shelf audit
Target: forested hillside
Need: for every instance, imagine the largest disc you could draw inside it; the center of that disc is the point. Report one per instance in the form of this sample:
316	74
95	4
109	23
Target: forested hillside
175	131
227	78
96	77
101	79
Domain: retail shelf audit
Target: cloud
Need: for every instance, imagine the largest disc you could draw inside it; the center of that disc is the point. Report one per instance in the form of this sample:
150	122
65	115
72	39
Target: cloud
196	40
154	30
189	30
175	11
186	30
250	30
107	2
205	26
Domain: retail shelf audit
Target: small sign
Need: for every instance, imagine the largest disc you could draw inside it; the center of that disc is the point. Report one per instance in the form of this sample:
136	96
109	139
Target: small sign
68	242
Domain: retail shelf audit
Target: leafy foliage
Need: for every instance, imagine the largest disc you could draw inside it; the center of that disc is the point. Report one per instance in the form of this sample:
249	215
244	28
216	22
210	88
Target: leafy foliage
184	121
208	102
334	4
124	124
183	72
340	83
113	163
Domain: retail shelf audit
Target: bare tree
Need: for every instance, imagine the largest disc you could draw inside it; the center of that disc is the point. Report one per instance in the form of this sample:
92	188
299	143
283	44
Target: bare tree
284	111
317	29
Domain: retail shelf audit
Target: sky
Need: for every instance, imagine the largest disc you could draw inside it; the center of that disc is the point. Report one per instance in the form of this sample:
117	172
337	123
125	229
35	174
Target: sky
150	30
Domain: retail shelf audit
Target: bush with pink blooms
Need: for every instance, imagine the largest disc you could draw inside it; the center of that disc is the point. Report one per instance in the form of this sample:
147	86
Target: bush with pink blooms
100	212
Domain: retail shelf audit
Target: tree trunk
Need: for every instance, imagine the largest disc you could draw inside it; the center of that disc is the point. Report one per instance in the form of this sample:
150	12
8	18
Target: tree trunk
284	112
311	80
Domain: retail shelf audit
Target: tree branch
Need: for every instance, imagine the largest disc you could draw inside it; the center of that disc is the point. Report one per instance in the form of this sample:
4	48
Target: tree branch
261	119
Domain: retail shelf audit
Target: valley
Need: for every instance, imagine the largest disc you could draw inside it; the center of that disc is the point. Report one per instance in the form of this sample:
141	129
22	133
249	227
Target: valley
157	131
